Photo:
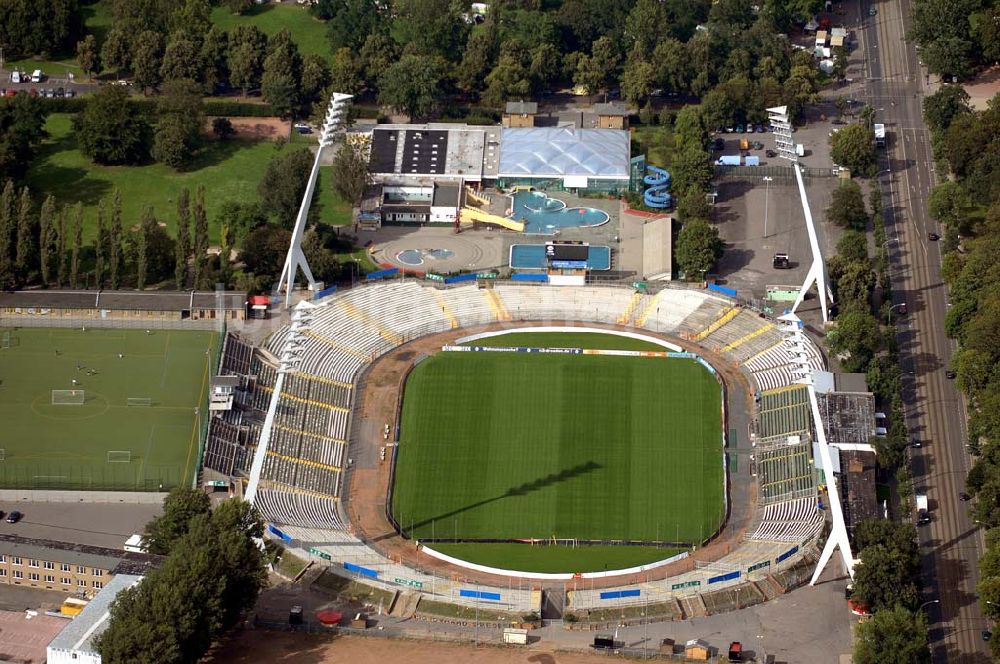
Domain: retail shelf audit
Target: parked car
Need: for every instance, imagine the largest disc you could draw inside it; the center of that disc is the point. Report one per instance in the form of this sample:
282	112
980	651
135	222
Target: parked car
963	496
933	237
60	92
739	129
872	11
719	145
761	129
757	145
949	374
2	513
69	93
50	93
14	516
770	154
916	443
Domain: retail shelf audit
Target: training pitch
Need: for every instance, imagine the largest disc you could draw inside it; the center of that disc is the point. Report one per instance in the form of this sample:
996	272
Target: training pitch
514	446
67	446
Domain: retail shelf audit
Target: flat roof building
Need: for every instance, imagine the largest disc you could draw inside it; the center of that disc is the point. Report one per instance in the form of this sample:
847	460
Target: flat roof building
75	643
103	304
520	114
574	158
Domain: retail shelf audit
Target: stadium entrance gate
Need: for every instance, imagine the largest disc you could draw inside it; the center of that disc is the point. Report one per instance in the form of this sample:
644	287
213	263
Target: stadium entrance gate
553	603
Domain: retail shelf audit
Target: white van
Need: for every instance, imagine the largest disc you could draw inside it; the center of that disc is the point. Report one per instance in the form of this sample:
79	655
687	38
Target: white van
15	77
36	76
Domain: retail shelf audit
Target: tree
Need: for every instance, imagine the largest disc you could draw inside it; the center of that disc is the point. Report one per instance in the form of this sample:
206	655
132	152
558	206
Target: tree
46	237
214	51
892	636
854	147
181	117
147	61
8	236
350	22
282	72
690	128
378	52
240	218
183	245
478	57
411	84
200	244
882	579
510	79
110	130
88	56
222	128
284	183
949	56
692	204
344	76
430	27
847	206
26	254
61	249
116	52
644	25
698	247
316	76
31	27
22	129
596	71
115	241
322	261
853	247
246	56
945	105
180	506
350	173
691	168
857	337
74	266
638	80
263	250
100	247
141	247
947	204
182	59
238	6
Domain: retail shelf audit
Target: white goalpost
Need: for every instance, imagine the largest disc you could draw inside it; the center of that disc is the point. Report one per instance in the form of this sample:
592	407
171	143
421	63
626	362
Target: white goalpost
119	456
139	401
68	397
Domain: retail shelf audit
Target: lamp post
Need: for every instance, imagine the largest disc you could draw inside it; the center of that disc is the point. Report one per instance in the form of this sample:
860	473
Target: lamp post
767	186
933	601
901	304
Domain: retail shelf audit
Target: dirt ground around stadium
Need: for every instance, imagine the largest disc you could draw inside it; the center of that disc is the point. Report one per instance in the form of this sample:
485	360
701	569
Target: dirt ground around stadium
290	648
379	404
257	128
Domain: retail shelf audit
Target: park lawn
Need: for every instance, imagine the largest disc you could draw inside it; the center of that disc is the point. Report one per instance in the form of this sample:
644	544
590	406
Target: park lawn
544	559
48	446
309	33
229	171
517	446
565	340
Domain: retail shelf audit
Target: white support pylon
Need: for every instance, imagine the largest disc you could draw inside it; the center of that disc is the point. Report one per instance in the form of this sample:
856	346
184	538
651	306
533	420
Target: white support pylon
817	271
838	534
295	260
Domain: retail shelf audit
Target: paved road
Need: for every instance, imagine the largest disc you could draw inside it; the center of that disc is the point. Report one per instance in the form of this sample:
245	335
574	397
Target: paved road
951	545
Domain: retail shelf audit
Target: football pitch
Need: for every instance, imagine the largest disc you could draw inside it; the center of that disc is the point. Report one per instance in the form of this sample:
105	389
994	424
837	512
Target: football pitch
138	427
514	446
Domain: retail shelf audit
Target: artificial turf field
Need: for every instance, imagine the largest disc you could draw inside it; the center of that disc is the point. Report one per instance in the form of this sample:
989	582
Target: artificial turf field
522	445
65	446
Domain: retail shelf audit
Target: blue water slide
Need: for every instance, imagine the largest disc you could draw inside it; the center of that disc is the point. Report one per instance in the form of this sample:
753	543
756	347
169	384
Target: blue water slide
658	182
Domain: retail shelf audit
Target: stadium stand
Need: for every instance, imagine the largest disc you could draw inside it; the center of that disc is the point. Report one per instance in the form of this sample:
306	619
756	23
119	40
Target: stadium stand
302	476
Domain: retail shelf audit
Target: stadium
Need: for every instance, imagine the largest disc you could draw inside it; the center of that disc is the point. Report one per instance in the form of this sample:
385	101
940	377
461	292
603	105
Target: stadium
465	442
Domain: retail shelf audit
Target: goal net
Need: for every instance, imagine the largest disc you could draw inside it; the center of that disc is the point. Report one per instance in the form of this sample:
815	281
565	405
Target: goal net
139	401
119	456
5	340
3	454
67	397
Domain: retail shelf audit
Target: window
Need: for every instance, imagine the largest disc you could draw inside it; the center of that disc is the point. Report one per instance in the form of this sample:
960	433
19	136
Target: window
3	559
66	581
32	563
81	583
3	571
33	576
17	574
49	565
98	585
64	567
49	578
16	560
80	569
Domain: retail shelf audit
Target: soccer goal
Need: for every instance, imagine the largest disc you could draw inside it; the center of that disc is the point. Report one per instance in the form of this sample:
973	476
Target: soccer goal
119	456
67	397
5	341
139	401
3	454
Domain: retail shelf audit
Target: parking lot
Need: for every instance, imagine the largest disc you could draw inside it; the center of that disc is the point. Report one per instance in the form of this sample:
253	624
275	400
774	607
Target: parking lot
94	524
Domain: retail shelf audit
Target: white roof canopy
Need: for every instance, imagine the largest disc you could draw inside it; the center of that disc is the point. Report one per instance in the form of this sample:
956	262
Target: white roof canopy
558	152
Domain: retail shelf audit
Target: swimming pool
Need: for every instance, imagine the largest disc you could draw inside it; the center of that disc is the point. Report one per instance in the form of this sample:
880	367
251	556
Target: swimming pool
532	257
543	215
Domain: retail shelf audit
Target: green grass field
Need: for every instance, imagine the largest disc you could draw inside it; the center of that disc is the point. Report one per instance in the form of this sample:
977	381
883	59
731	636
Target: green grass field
65	446
229	171
573	447
308	32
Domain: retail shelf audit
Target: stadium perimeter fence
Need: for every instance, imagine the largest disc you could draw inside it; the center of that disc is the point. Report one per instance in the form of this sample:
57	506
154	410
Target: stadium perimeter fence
74	476
201	324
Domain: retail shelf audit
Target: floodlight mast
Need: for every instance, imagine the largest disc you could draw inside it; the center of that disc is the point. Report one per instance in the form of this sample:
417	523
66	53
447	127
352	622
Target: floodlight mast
336	118
781	127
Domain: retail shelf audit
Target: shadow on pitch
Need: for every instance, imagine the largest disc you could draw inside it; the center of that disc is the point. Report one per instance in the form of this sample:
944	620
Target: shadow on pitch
515	491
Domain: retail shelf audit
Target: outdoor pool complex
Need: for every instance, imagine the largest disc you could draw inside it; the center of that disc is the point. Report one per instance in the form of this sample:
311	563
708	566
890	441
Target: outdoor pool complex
543	215
532	257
